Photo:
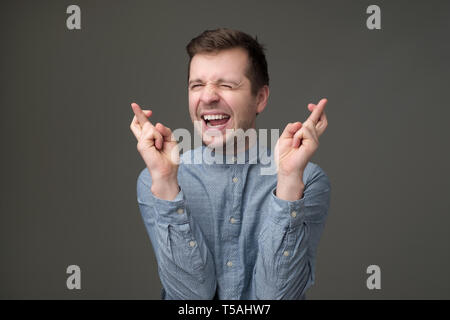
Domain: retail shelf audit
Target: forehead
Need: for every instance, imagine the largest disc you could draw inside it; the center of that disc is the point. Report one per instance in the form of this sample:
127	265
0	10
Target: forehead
229	63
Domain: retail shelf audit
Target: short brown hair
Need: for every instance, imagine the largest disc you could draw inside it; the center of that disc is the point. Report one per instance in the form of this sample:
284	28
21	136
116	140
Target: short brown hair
223	38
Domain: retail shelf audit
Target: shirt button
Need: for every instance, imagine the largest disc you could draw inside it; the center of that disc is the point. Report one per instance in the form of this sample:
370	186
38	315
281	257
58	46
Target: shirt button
180	210
191	243
293	214
233	220
229	263
235	179
286	253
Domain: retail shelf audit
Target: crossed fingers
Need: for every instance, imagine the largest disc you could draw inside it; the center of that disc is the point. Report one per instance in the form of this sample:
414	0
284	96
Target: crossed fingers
318	117
312	128
143	129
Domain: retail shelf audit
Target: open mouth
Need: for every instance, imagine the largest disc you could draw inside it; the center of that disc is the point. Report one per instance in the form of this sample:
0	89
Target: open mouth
215	120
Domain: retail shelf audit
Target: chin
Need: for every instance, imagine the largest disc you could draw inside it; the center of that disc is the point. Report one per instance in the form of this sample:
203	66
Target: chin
214	142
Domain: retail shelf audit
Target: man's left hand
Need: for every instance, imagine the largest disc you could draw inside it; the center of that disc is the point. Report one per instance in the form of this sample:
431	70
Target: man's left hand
295	147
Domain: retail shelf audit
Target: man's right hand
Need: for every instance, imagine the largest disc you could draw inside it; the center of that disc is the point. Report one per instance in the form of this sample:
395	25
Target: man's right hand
159	149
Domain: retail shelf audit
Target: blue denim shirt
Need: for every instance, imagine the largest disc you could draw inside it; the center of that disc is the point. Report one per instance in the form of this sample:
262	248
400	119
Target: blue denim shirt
226	234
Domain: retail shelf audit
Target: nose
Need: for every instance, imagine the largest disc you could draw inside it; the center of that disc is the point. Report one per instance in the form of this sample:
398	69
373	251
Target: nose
209	94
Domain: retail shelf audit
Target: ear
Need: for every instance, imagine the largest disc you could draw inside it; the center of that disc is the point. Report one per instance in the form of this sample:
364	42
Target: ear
262	98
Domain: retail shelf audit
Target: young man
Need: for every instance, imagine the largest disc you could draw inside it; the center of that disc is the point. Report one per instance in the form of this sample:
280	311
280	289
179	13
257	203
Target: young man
226	230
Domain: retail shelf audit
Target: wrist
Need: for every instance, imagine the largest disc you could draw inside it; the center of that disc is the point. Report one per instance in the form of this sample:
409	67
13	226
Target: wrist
290	178
290	187
166	189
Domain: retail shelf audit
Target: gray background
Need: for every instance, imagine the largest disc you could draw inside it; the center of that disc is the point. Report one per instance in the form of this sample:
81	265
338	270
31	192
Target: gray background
69	161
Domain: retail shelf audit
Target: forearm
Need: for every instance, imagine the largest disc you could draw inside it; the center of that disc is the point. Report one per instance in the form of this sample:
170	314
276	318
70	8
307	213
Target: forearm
185	264
287	245
281	269
283	275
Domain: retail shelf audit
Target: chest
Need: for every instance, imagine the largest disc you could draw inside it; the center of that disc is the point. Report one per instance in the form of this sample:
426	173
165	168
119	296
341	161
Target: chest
228	201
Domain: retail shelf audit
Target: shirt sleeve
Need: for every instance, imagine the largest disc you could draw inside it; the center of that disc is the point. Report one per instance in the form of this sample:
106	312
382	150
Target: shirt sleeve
185	264
288	241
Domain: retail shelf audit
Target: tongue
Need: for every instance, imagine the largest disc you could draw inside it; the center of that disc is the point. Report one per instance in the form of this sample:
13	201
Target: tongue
218	122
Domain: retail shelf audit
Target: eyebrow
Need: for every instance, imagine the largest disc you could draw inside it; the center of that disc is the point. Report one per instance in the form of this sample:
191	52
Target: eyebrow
218	81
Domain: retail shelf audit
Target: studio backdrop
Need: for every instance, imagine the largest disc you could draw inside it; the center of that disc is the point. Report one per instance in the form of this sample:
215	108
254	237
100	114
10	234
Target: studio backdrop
69	164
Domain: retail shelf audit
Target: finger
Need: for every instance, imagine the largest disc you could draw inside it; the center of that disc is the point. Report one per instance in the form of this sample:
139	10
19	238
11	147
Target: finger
153	135
141	116
291	129
135	128
311	131
165	132
317	112
306	132
297	138
147	113
323	121
322	124
158	140
135	121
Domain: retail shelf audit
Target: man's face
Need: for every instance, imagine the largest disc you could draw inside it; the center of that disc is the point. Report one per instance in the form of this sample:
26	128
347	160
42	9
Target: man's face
220	95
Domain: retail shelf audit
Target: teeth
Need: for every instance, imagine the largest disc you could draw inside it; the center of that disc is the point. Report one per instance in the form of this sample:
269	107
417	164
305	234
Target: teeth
215	116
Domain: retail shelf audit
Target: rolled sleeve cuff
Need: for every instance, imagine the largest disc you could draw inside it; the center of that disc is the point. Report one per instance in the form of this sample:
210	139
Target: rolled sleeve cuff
287	213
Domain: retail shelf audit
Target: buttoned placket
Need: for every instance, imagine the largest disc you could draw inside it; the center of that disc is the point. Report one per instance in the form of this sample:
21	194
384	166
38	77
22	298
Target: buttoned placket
233	227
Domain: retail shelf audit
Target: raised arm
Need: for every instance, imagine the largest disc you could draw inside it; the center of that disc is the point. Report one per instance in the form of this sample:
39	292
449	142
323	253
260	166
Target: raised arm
298	209
185	264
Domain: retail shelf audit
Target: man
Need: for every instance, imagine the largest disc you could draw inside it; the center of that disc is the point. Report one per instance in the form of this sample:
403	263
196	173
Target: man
226	230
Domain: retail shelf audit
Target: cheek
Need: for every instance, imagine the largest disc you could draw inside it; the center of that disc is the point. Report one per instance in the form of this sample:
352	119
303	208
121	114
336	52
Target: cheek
192	100
235	102
241	105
